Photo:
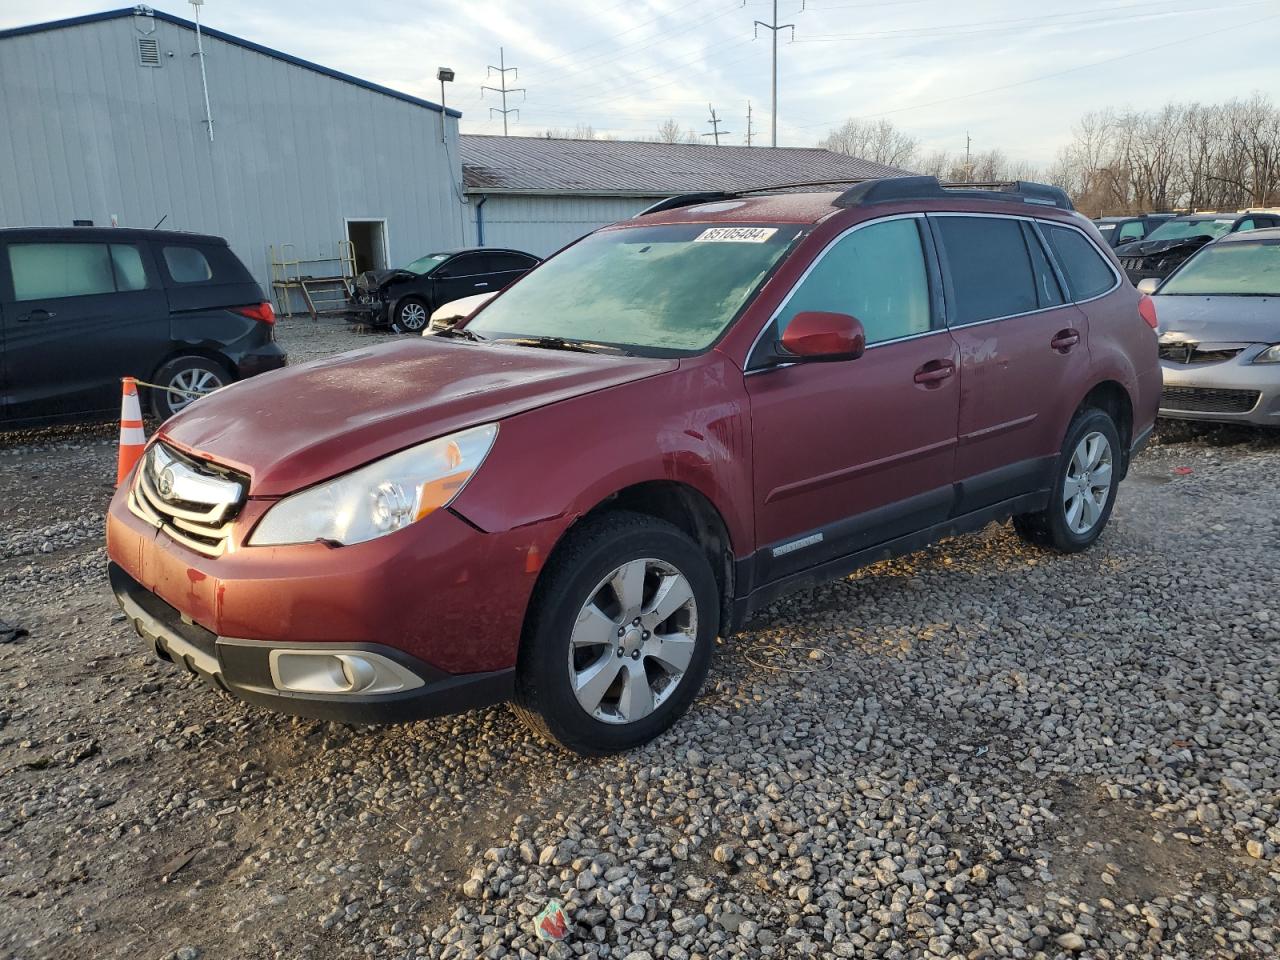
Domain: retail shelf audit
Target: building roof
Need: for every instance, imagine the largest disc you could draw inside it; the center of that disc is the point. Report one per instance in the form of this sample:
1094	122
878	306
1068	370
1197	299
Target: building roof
143	10
538	165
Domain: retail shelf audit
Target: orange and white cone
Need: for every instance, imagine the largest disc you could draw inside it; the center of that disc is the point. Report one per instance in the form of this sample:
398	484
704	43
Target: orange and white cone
133	439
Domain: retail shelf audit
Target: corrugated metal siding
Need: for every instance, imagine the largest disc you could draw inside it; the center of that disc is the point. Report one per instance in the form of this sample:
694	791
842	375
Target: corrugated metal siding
90	133
542	225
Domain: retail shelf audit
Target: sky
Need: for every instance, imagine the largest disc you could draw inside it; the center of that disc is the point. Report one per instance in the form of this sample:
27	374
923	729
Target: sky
1012	74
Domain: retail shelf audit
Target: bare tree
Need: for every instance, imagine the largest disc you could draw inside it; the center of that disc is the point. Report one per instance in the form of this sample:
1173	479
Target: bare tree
582	131
670	131
879	142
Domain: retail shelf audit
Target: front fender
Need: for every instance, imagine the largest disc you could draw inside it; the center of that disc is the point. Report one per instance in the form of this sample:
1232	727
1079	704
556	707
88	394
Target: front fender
689	426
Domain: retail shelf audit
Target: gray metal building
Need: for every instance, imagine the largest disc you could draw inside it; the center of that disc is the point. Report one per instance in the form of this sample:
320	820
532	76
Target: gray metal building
104	119
538	194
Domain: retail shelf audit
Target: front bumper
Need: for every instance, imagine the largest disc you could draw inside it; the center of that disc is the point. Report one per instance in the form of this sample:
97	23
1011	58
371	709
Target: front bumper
1230	391
245	668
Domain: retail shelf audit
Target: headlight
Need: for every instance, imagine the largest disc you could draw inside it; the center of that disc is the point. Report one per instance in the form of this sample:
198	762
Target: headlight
381	498
1269	355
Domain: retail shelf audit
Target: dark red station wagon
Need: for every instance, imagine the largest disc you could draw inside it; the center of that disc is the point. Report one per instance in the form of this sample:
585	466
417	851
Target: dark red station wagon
647	438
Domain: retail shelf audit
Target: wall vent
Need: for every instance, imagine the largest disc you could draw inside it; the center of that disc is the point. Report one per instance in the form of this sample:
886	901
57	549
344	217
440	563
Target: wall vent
148	52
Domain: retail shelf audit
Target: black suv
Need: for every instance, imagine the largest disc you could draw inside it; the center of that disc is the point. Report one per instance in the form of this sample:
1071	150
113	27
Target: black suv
406	296
1118	230
1169	245
81	307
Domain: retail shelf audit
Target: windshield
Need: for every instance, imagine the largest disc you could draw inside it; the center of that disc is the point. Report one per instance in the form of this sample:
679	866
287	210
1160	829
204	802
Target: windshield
1229	269
427	263
670	289
1181	229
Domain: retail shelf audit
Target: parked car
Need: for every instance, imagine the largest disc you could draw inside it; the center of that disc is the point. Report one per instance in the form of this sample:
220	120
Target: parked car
81	307
568	497
405	297
1219	326
1170	244
455	311
1119	230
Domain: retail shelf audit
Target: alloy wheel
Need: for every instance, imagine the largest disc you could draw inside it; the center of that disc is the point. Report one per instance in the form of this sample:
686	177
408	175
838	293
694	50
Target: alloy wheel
1088	483
413	316
633	641
194	383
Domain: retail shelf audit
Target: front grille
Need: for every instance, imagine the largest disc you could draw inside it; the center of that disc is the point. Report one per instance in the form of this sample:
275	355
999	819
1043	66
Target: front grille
199	502
1194	353
1206	400
1132	263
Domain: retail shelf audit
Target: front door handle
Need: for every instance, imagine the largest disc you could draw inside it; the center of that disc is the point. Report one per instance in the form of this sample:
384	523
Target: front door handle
934	372
1064	340
37	314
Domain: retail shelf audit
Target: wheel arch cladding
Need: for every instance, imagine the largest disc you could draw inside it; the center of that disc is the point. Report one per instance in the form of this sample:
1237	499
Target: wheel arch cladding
1111	397
684	507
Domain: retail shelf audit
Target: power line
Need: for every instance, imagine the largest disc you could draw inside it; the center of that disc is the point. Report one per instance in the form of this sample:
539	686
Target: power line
774	27
715	126
502	70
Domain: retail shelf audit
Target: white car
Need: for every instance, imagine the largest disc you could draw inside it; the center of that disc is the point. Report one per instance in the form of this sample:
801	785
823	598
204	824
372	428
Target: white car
456	311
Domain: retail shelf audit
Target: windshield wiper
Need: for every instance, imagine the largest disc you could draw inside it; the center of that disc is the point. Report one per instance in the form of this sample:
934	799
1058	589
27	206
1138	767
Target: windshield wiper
461	333
560	343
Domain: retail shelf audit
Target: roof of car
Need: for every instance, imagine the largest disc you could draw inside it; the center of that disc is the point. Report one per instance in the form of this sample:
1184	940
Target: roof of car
1196	217
106	233
1135	216
1247	236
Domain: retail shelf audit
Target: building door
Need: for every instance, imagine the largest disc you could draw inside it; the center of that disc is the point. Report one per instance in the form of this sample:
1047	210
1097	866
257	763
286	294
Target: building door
369	242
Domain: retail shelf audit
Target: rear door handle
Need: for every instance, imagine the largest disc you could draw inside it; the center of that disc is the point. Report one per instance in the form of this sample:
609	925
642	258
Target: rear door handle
934	372
1064	340
37	314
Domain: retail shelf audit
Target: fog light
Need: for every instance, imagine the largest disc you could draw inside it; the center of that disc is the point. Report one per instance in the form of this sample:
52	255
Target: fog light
338	673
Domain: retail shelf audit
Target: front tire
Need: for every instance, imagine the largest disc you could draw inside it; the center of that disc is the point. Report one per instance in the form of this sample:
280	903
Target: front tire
193	376
619	636
1084	488
411	315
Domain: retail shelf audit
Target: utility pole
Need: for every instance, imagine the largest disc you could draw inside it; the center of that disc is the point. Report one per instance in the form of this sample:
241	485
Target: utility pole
968	157
775	26
715	126
749	130
502	70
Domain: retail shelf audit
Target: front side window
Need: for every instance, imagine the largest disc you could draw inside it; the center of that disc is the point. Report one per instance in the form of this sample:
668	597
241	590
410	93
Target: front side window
1087	272
877	274
990	267
660	290
1229	269
45	271
187	265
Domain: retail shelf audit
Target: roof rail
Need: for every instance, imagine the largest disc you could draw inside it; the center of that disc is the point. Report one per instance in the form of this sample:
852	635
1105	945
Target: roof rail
683	200
891	189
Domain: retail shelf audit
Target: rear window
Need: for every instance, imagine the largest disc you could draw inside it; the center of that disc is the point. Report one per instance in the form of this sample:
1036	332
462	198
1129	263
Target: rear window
46	271
1088	274
990	266
187	264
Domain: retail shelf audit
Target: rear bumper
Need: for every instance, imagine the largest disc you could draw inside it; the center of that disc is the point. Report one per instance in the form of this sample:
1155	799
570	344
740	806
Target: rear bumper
269	356
243	668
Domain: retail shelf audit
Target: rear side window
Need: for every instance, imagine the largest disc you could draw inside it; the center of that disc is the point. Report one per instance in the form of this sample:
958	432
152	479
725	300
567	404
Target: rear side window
187	264
1048	290
1088	274
44	271
990	267
877	274
503	262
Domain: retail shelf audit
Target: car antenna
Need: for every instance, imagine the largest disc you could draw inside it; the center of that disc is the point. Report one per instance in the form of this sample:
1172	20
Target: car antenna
160	221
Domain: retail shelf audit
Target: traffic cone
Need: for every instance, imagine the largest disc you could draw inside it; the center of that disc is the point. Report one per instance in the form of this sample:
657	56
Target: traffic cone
133	439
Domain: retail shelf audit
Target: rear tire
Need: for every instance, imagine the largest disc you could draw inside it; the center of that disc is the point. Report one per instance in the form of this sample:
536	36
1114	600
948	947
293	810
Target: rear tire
198	374
1084	488
411	315
621	582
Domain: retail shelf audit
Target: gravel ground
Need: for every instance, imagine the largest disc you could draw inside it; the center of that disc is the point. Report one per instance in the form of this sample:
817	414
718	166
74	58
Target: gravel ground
982	750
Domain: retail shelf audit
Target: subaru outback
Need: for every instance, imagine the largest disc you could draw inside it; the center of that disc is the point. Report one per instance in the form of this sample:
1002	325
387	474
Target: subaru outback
565	499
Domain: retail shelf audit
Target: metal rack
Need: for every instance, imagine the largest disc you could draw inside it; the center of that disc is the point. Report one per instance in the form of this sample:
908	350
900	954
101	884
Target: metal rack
325	284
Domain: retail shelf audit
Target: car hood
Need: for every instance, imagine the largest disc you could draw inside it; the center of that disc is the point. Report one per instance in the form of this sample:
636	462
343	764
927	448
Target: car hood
1218	319
377	279
307	423
1149	248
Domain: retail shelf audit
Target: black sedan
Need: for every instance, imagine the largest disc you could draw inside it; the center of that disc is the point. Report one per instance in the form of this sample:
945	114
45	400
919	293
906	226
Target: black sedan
405	297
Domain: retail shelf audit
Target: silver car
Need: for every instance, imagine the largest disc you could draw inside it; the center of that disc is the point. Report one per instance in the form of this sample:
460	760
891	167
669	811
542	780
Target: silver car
1218	318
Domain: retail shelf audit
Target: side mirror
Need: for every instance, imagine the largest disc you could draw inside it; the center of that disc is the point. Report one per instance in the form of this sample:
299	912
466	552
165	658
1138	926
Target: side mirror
818	336
1148	286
